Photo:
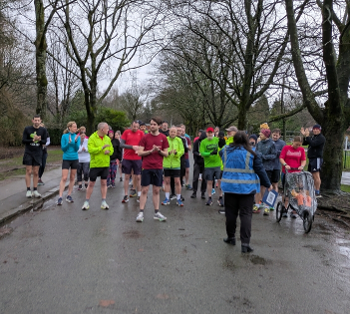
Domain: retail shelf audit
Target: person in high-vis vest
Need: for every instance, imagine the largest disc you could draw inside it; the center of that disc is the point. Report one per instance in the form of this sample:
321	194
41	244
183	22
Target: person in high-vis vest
243	174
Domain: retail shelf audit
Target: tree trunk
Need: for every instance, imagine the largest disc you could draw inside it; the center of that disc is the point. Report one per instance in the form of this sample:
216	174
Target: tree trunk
333	129
90	127
242	117
40	55
334	118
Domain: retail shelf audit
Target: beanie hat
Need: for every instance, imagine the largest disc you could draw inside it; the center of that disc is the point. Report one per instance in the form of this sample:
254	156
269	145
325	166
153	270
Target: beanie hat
266	132
253	136
110	131
317	126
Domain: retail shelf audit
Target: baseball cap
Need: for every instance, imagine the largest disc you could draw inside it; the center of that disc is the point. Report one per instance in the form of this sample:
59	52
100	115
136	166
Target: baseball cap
317	126
232	128
210	129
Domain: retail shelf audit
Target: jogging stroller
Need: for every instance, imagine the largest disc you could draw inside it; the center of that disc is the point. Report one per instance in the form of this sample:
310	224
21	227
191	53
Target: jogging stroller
300	190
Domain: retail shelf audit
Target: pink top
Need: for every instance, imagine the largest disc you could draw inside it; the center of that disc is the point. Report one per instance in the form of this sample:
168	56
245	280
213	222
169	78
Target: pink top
293	157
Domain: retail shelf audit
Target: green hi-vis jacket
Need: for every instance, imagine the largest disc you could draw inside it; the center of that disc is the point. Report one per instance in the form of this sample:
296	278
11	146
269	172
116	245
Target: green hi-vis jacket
229	140
98	158
173	160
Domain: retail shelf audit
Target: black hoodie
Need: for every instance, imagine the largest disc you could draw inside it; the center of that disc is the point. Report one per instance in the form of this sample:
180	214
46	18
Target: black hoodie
196	155
316	144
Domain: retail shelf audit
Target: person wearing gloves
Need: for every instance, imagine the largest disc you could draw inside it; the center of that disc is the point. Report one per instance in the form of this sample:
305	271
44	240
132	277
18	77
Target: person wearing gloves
172	166
70	143
268	153
242	177
209	151
84	161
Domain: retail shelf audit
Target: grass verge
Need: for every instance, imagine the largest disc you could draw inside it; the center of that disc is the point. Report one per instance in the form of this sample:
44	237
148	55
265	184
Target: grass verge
12	167
345	188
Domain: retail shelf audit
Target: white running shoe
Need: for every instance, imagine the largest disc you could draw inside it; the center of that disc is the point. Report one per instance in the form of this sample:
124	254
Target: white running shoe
86	206
139	217
104	205
159	216
29	194
36	194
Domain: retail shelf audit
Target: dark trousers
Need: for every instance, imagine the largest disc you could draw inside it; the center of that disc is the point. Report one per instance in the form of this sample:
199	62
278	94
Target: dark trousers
243	204
197	169
182	170
43	164
83	169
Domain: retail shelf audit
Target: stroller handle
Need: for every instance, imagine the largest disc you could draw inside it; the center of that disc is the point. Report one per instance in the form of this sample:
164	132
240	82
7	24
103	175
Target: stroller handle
292	169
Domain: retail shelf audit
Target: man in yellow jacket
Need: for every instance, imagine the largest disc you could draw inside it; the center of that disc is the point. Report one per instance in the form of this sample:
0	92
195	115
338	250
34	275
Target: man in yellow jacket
100	148
172	166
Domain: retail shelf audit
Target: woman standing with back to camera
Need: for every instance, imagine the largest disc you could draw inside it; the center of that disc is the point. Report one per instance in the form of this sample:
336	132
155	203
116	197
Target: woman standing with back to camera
240	181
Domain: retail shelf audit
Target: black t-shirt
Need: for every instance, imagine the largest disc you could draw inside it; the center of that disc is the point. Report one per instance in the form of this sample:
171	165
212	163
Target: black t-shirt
166	133
34	148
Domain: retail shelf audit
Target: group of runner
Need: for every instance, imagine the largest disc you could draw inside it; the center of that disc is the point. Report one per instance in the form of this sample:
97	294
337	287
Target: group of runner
160	157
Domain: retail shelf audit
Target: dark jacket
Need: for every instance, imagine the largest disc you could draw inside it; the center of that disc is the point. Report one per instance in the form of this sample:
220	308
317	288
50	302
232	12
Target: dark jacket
260	171
279	145
196	155
316	144
268	152
117	154
166	133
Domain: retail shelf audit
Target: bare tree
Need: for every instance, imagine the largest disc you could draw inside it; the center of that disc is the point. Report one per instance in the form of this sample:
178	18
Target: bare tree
183	90
331	73
63	81
103	38
248	39
42	25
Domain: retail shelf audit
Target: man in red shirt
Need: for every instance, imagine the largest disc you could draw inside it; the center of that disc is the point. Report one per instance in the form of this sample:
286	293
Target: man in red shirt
131	160
153	147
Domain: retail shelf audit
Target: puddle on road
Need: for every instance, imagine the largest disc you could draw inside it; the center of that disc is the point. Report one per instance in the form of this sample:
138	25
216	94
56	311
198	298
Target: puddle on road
257	260
132	234
344	247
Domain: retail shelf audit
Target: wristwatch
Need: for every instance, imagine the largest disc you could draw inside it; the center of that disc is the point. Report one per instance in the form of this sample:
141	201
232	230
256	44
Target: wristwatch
285	164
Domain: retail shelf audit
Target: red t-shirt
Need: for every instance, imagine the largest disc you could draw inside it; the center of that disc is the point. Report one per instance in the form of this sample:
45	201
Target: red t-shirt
154	160
293	157
131	138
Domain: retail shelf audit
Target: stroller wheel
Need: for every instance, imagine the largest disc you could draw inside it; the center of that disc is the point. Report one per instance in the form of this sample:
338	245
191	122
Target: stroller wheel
307	221
279	211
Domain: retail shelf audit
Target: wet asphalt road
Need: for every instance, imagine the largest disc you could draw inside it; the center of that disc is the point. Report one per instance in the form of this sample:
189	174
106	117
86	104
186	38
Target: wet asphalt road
65	260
